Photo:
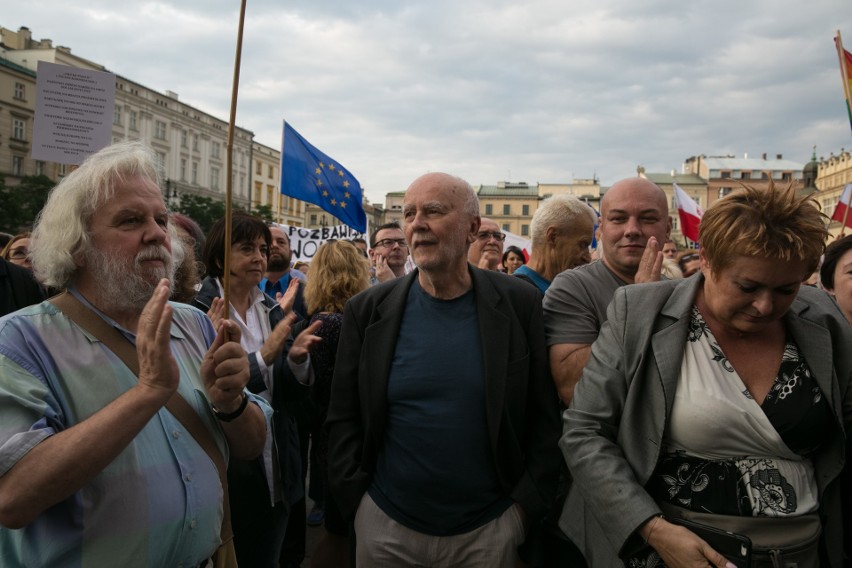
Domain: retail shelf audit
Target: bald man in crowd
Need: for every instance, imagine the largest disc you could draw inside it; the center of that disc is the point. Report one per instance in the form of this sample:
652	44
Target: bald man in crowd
486	251
443	420
634	223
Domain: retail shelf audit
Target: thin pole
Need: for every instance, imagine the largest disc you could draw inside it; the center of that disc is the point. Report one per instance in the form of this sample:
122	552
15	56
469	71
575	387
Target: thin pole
226	277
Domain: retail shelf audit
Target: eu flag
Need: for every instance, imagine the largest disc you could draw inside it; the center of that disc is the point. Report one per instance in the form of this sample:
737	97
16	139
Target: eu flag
310	175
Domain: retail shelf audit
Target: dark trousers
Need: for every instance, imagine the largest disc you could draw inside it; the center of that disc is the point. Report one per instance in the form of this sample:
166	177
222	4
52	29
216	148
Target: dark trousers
258	526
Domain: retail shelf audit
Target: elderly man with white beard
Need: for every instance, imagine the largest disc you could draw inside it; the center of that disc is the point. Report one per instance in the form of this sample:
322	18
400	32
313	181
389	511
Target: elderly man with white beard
115	403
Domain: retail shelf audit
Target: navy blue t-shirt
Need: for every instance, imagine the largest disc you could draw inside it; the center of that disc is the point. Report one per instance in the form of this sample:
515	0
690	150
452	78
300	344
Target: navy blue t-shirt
436	473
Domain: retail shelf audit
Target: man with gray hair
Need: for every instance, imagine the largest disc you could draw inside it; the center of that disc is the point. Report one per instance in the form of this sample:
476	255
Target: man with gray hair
443	417
562	232
115	403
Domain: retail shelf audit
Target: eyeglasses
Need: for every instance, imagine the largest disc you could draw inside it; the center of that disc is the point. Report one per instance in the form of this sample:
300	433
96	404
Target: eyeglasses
689	257
19	253
388	243
485	235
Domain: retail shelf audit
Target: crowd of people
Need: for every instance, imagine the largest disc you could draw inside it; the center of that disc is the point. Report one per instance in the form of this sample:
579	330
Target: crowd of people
443	400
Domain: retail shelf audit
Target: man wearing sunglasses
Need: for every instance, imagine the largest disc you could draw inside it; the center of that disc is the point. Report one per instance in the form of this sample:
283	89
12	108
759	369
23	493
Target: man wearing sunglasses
388	252
486	251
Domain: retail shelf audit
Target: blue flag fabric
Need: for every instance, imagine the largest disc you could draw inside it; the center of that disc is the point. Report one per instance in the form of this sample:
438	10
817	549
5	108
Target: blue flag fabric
310	175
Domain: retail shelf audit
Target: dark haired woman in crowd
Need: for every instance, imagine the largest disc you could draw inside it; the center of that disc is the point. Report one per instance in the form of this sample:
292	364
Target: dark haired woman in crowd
261	491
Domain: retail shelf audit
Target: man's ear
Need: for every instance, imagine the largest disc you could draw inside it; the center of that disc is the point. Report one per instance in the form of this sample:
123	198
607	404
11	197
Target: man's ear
550	235
475	223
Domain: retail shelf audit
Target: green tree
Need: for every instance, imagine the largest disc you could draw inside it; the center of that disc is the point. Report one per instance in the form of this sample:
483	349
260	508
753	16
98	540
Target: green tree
264	212
20	204
202	210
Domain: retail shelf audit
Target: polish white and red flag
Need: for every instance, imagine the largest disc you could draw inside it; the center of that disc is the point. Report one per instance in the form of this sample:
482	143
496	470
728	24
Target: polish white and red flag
841	212
689	212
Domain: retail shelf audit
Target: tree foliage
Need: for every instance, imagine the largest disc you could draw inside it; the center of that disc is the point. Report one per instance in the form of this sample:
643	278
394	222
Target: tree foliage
264	212
20	204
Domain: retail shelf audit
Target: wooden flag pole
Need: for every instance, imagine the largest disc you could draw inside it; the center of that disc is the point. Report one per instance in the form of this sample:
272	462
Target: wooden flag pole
226	277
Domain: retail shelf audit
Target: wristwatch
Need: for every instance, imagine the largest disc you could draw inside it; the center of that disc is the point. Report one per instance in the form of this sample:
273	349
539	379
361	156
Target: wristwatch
227	417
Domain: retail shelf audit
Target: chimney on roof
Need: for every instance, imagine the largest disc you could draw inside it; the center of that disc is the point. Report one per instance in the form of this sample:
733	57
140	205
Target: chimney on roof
764	155
778	156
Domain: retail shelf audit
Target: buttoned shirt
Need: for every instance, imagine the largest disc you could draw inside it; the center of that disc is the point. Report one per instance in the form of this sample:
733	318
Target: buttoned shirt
159	502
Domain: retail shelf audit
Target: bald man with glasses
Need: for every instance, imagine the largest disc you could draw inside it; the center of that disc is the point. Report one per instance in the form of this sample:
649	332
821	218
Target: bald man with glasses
486	251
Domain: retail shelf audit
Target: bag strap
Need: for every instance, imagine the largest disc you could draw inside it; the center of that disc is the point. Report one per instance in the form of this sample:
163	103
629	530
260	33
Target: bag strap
89	321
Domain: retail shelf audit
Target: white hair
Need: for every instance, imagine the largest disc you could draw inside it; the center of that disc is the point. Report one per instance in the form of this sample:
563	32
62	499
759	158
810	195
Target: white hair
61	231
561	210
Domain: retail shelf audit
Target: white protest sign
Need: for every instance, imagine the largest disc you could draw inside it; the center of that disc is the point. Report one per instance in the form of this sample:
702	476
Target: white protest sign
305	242
74	109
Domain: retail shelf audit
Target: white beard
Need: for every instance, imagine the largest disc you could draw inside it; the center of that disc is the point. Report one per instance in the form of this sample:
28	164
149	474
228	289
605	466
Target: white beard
124	285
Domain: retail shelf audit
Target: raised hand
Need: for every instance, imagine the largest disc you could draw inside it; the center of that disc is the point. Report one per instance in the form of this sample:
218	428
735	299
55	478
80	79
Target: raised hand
225	368
157	366
304	342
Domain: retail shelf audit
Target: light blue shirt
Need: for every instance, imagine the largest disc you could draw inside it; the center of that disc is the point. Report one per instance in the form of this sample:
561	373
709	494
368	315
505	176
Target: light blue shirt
159	502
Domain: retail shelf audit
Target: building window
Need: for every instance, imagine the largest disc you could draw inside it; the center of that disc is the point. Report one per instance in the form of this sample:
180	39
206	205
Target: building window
39	168
507	209
183	169
745	175
195	142
489	209
271	171
20	91
505	226
116	115
195	172
525	229
17	165
133	120
764	175
313	220
214	178
160	130
786	176
526	210
723	191
19	129
183	139
216	149
258	168
725	175
161	161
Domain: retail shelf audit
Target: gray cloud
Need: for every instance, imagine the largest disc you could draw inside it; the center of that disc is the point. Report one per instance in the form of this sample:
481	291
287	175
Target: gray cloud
543	90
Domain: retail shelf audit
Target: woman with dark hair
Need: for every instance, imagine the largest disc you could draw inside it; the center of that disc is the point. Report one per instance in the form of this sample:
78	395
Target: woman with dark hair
261	491
836	273
513	258
723	399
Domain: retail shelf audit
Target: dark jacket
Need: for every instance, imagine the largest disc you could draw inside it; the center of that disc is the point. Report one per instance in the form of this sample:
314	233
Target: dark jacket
286	390
18	288
522	410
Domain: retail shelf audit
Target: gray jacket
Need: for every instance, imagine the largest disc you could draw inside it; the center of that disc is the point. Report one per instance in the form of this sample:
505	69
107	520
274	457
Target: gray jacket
614	428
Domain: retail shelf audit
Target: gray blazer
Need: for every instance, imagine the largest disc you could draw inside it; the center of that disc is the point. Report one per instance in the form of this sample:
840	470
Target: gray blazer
614	428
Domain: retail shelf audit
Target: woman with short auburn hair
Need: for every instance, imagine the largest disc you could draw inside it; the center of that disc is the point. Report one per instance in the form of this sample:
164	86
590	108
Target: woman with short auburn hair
721	399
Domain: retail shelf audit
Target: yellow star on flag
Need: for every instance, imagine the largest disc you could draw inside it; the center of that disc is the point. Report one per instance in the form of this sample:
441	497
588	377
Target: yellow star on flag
343	204
319	182
318	171
334	202
325	193
340	173
321	165
331	167
345	184
346	194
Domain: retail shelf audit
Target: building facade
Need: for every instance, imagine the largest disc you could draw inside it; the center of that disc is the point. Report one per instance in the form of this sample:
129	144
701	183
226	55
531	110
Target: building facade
833	174
726	173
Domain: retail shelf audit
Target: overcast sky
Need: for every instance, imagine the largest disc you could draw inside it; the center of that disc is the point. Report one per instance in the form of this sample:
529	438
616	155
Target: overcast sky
490	90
